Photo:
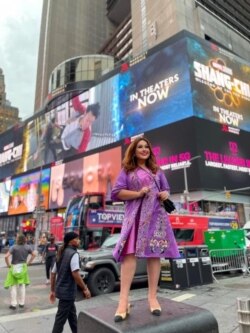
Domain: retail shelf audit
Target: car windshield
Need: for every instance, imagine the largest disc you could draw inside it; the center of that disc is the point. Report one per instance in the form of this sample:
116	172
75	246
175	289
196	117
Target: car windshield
110	241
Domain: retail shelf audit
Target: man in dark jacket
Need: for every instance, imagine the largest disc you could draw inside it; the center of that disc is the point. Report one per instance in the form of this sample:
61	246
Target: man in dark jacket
65	277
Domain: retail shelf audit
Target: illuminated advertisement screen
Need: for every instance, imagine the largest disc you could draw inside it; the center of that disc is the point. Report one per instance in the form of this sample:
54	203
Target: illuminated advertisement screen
226	157
66	181
221	158
147	95
220	85
11	152
94	173
173	146
24	192
4	195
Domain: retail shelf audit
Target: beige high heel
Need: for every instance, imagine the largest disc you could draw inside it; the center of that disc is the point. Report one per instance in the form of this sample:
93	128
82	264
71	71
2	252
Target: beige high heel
156	311
122	316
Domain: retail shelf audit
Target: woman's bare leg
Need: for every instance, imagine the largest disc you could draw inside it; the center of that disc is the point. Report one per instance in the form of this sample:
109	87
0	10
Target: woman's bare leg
154	269
128	267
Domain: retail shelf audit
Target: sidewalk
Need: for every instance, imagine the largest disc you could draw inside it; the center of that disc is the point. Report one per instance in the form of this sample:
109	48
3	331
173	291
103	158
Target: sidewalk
219	298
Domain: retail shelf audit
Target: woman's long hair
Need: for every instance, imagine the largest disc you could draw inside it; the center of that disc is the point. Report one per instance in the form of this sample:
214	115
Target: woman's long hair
130	161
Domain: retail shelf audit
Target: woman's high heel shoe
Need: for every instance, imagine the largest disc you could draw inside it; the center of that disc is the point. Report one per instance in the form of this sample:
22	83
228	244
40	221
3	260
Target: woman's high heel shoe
122	316
156	311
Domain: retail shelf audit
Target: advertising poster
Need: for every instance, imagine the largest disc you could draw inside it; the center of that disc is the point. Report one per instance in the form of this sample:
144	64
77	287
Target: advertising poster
66	181
174	145
154	92
94	173
219	159
226	157
31	142
11	152
220	86
24	192
101	171
4	195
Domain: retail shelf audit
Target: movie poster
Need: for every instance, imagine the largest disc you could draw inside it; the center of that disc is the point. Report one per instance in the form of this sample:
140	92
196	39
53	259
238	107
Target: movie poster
220	86
11	152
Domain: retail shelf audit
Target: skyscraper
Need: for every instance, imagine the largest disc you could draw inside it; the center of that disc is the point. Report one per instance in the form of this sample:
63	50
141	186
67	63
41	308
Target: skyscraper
8	114
126	29
68	29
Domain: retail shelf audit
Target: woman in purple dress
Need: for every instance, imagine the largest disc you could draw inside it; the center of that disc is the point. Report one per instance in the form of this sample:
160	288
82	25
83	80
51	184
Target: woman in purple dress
146	230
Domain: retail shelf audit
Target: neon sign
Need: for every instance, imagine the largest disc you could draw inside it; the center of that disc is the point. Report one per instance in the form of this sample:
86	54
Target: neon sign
229	162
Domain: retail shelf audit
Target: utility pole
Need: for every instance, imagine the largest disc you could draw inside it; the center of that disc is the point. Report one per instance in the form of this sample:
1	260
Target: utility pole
38	211
186	191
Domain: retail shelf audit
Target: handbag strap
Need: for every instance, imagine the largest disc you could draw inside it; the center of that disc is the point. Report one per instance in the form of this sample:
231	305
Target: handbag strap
150	174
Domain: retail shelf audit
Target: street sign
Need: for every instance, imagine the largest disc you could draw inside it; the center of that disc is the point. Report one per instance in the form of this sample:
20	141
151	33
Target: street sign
39	211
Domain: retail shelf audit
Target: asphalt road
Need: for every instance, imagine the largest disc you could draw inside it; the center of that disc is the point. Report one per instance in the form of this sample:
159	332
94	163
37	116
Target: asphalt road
219	298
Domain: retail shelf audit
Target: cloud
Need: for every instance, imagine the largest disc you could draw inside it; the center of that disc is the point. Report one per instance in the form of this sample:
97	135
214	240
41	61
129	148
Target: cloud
19	35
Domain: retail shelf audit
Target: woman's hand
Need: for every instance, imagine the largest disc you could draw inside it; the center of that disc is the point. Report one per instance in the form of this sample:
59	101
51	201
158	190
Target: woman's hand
144	191
163	195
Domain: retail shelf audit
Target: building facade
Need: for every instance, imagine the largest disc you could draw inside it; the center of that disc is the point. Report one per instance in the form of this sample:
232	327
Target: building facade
68	29
8	114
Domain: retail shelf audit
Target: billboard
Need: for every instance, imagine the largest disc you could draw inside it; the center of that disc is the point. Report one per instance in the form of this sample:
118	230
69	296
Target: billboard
93	173
4	195
226	157
11	152
24	192
220	85
150	94
219	158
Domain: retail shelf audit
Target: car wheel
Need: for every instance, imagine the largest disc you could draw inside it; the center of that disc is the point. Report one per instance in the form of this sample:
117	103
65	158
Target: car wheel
101	281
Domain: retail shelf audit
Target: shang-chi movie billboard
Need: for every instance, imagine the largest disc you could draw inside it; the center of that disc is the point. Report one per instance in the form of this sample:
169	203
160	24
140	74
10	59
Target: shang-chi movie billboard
11	152
220	85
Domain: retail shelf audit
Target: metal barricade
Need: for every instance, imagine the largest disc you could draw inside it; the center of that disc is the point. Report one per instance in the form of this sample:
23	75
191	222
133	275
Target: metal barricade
228	260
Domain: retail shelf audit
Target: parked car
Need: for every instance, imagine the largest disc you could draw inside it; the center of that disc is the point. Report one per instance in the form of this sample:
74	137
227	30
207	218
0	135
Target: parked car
100	270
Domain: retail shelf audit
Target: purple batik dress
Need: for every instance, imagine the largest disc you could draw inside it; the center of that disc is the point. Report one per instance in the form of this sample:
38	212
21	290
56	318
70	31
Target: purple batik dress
146	230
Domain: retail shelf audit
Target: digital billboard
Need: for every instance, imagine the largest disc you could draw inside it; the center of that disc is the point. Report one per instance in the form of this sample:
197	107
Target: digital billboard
11	152
220	85
24	192
66	181
4	195
226	157
220	159
93	173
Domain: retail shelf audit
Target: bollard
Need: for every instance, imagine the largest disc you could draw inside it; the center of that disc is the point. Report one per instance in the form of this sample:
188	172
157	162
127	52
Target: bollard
244	314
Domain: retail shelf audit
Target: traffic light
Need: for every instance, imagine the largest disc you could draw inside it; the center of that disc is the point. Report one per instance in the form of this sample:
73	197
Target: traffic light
228	195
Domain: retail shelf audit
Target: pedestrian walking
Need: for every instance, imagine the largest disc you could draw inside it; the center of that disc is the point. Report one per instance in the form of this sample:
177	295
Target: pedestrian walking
65	277
18	277
49	254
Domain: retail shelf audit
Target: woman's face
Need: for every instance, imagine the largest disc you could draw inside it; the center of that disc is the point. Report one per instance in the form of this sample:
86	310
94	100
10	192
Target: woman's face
142	151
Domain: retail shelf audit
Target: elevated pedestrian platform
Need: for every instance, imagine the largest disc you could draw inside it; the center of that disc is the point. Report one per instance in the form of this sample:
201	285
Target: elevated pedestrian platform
176	317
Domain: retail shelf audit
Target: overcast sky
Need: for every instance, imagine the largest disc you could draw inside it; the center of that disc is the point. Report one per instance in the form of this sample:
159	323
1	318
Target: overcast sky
19	40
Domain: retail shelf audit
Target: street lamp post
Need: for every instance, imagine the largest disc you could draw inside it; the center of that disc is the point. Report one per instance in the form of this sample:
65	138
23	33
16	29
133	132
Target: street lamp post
186	191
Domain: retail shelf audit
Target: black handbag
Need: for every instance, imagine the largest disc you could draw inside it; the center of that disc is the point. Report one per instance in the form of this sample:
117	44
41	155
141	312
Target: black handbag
169	206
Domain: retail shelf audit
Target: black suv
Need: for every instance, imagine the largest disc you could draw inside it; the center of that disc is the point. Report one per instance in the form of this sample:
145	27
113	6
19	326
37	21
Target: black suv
100	270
